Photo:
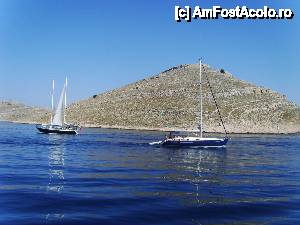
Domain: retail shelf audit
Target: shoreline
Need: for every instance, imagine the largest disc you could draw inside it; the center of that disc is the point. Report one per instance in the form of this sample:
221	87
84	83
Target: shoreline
90	126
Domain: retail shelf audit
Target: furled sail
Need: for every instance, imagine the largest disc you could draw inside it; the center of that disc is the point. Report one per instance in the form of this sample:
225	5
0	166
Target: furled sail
59	112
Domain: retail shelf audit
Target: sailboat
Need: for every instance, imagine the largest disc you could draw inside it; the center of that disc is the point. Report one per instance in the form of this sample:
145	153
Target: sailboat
176	139
58	123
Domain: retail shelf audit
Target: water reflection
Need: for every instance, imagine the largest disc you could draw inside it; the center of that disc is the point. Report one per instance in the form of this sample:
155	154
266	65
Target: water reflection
56	163
202	169
200	162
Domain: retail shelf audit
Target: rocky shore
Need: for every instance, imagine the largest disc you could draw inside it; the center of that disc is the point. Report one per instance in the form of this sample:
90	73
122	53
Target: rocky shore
20	113
170	101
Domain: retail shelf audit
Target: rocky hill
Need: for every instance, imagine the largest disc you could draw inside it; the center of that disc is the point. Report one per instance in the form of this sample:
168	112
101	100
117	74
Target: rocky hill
16	112
170	101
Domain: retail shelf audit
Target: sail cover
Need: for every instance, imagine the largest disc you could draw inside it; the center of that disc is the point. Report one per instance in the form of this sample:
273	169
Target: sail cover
59	112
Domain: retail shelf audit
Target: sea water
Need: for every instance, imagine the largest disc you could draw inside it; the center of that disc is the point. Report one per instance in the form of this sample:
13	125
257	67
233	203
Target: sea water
106	176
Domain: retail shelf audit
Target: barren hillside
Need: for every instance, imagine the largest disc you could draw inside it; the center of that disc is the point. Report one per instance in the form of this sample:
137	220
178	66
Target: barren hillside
170	100
16	112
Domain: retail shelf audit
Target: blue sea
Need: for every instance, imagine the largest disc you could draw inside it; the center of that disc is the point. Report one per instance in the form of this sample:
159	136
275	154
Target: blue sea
107	176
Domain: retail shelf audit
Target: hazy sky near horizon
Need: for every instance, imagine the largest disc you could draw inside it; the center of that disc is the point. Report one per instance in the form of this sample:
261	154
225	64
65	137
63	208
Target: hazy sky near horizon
101	45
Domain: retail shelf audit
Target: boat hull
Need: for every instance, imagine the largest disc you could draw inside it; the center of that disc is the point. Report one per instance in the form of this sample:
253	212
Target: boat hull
195	143
47	130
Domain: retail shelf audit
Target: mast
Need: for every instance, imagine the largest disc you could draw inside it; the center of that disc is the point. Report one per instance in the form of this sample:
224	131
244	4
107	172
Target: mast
52	102
66	84
201	105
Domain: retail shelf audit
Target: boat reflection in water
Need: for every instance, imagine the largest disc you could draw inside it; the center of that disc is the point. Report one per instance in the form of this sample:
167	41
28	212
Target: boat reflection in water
202	170
56	174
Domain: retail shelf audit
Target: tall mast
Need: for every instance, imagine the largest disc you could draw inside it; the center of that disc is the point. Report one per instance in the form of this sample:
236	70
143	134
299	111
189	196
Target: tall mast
201	105
52	102
66	84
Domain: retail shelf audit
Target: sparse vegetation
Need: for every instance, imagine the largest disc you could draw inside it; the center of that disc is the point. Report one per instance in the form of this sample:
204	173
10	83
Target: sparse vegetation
16	112
172	102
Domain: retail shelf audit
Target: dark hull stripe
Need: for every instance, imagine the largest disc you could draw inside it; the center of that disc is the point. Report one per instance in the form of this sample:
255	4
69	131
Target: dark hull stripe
209	143
47	131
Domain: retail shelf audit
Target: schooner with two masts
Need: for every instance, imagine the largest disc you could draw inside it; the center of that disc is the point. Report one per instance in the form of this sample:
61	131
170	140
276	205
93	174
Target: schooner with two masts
58	123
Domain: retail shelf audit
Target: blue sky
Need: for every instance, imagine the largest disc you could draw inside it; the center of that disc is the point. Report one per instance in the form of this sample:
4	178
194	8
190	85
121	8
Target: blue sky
101	45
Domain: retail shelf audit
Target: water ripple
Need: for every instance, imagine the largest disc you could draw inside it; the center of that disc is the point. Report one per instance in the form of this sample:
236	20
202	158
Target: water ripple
105	176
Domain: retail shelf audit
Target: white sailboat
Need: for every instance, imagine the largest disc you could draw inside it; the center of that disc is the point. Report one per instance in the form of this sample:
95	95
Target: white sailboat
58	123
176	139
